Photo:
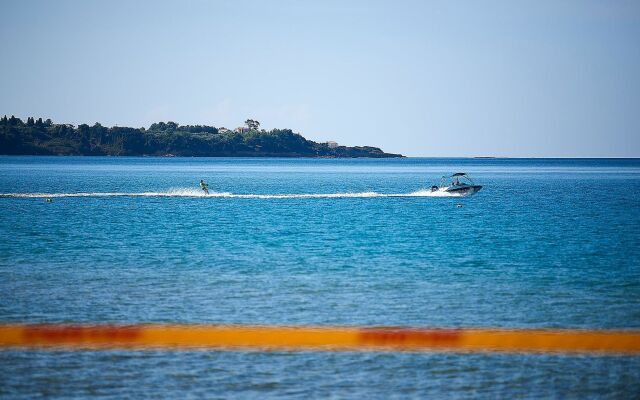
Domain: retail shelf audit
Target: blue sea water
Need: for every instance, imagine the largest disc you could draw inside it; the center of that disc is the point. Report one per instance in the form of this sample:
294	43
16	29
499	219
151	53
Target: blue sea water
547	243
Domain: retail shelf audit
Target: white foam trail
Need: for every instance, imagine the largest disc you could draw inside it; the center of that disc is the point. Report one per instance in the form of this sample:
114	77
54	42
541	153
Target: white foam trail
200	193
429	193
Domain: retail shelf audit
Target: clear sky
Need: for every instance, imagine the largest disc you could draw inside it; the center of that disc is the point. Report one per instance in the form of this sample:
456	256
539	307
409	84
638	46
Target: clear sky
422	78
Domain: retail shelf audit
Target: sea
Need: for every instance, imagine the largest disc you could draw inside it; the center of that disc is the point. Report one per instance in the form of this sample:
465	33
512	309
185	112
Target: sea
546	243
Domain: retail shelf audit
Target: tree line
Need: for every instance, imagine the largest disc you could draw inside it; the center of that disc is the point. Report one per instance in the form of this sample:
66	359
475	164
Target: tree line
38	137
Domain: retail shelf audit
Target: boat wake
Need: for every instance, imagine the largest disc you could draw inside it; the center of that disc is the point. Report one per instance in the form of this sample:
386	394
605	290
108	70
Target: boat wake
200	193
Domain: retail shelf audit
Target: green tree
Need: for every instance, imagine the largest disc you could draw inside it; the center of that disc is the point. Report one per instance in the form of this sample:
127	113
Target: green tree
252	124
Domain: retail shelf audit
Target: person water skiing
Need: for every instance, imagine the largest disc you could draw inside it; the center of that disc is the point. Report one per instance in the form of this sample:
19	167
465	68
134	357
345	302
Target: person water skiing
204	187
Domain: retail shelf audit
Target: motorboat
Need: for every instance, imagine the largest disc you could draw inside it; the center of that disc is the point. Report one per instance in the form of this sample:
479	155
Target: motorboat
460	184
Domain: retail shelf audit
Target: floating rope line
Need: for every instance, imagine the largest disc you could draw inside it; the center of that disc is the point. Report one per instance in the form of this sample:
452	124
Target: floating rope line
260	338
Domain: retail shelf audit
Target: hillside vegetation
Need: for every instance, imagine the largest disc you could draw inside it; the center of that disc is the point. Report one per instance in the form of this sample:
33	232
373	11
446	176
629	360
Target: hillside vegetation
38	137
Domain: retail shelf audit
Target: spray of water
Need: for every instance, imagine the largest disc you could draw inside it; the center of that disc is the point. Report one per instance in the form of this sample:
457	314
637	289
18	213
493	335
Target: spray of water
183	192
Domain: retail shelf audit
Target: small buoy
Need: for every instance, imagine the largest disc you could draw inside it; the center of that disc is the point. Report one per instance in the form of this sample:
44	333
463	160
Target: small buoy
458	205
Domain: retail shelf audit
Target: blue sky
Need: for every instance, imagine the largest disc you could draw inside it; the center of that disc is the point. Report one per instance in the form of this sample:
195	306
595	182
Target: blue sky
422	78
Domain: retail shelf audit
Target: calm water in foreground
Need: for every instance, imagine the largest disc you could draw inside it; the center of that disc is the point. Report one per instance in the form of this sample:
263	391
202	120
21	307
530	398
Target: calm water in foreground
546	243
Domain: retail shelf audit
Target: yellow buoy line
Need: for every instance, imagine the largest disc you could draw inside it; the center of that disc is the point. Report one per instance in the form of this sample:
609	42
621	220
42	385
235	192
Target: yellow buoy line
319	338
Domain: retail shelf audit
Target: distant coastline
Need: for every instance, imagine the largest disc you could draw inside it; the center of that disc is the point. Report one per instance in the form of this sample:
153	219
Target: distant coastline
169	139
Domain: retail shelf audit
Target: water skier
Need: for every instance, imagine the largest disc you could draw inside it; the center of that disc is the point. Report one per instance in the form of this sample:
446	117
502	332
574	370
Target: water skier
204	186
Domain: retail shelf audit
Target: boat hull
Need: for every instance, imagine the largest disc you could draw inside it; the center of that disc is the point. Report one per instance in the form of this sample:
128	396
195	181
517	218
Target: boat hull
466	190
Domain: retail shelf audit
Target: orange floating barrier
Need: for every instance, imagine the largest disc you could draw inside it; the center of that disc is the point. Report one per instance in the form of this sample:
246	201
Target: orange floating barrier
288	338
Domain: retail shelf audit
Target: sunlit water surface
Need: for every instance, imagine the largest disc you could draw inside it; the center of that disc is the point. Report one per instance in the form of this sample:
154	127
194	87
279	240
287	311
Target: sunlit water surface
545	244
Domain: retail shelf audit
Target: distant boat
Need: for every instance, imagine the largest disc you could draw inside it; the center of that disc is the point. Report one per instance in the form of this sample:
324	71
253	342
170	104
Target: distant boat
460	184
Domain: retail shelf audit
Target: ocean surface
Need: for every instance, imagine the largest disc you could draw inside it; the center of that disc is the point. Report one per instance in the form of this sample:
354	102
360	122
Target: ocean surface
547	243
